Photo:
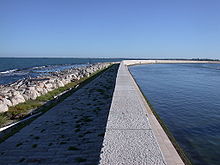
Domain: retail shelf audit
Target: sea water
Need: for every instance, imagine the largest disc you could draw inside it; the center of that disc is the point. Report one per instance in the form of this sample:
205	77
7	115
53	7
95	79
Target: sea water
13	69
187	98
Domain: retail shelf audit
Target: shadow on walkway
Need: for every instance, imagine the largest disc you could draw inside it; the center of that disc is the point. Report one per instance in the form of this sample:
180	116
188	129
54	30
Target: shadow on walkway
70	133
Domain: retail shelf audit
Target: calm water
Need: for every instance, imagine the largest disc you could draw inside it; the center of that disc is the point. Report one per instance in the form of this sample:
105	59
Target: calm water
187	98
13	69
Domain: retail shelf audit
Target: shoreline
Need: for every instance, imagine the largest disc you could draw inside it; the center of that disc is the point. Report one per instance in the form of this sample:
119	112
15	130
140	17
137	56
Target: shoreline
31	88
29	107
17	125
70	133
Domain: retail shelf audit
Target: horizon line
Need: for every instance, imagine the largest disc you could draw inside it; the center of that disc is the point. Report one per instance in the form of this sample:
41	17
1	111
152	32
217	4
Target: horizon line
123	58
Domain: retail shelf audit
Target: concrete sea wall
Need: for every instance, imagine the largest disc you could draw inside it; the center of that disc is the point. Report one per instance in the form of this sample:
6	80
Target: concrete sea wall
133	134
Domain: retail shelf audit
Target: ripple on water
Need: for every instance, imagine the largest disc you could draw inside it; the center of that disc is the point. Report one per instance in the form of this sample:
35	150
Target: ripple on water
186	96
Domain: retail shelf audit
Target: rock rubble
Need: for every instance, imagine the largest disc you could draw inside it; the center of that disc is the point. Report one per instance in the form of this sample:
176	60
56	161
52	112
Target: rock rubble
30	88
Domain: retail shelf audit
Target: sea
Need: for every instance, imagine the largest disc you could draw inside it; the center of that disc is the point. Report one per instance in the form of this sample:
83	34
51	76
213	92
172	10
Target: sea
187	98
13	69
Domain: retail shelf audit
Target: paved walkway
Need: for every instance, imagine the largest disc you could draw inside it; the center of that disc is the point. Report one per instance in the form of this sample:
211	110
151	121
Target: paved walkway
70	133
73	131
130	136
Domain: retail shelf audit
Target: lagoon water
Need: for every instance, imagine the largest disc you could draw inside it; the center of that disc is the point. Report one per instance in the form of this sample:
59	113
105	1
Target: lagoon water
187	98
13	69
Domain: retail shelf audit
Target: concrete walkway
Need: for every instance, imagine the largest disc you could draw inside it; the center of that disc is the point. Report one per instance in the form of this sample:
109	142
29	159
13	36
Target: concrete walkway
133	135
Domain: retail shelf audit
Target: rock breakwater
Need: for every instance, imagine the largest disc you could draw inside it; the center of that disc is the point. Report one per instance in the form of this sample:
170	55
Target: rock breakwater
31	88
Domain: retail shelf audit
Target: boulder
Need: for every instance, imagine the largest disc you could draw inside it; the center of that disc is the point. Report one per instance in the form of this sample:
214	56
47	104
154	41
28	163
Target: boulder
3	107
6	101
49	89
22	90
31	93
74	76
89	70
15	93
41	85
8	94
5	90
45	90
64	81
55	85
52	80
31	88
17	99
87	74
49	86
26	97
60	83
68	78
41	91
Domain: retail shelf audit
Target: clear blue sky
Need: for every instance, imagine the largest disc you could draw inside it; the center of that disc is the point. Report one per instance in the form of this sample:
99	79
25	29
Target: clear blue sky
110	28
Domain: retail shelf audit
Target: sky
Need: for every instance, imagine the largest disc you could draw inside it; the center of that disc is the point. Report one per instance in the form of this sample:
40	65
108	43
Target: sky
110	28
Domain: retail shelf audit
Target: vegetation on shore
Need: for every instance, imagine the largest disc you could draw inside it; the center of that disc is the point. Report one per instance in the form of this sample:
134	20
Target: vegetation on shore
22	109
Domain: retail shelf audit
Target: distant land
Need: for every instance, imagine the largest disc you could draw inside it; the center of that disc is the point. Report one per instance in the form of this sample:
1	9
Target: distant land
195	59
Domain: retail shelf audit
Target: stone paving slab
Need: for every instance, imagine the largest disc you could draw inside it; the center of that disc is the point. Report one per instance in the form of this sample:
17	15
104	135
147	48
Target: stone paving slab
124	93
131	147
123	121
130	116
